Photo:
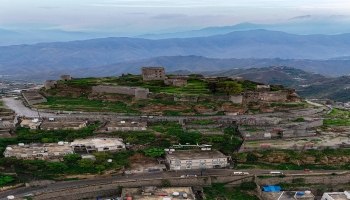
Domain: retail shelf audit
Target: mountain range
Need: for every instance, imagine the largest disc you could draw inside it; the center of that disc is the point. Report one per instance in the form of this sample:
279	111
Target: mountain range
261	44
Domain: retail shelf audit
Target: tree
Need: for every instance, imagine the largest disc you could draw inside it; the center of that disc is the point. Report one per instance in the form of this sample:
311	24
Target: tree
154	152
72	158
212	87
57	167
86	163
230	87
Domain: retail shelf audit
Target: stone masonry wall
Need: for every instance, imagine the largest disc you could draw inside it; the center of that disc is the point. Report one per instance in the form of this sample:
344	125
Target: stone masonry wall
137	92
49	84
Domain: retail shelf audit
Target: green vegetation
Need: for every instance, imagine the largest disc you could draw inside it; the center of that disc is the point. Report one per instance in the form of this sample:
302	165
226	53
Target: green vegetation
336	122
202	122
72	164
84	104
1	103
338	113
154	152
219	191
300	119
6	180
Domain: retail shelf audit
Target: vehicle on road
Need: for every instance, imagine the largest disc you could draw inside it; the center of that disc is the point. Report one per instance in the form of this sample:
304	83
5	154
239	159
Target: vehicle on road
240	173
189	175
275	173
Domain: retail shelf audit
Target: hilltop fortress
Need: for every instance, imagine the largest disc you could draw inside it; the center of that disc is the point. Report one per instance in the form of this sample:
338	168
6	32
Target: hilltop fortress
262	93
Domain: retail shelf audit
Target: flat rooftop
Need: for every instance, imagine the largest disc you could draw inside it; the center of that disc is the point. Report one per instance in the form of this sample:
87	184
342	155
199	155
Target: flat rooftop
126	124
195	154
98	142
339	196
62	124
38	148
152	193
290	195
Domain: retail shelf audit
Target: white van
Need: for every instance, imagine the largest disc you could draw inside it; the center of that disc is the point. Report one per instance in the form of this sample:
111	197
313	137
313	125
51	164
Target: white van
237	173
276	173
245	173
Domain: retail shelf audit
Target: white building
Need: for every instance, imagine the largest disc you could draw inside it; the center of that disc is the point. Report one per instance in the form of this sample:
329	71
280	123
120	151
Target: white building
126	126
97	144
196	159
336	196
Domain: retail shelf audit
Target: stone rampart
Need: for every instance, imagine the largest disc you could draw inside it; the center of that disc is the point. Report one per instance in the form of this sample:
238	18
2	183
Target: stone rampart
66	77
49	84
137	92
186	98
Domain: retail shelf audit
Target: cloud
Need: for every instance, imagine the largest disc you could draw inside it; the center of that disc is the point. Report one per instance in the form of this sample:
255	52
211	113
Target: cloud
169	16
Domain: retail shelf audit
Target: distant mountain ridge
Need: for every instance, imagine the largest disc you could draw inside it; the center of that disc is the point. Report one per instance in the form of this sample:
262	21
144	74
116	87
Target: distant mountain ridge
27	59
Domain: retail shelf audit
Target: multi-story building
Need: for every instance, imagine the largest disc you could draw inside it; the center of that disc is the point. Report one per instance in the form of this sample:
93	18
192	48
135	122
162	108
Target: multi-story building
196	159
38	151
97	145
153	73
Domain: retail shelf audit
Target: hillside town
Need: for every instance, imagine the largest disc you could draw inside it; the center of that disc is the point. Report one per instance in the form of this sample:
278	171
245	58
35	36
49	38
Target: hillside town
152	148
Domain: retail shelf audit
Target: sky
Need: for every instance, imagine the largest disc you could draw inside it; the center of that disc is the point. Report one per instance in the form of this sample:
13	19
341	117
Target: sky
157	16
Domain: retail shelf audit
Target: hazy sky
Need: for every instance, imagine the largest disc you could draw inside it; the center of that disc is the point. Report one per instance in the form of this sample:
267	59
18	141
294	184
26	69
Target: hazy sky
155	15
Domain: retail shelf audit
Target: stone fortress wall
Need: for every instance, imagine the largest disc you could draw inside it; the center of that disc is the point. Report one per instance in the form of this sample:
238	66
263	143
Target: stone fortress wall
66	77
137	92
49	84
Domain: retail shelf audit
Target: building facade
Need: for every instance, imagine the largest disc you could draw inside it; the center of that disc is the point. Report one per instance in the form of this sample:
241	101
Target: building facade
97	145
196	159
153	73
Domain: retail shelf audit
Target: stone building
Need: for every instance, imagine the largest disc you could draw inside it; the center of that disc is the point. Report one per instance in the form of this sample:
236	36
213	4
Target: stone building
55	125
30	123
38	151
196	159
153	73
176	80
263	88
126	126
66	77
97	145
49	84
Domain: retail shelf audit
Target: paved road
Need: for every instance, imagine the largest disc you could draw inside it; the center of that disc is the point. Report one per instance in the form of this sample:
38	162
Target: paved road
69	184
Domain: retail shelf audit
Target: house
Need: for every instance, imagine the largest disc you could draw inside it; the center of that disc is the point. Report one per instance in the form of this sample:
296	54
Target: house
287	195
38	151
55	125
97	145
30	123
158	193
336	195
126	126
196	159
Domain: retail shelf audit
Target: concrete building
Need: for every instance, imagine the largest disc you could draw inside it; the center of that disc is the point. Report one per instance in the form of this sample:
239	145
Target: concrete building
38	151
55	125
153	73
287	195
336	195
196	159
158	193
30	123
126	126
97	145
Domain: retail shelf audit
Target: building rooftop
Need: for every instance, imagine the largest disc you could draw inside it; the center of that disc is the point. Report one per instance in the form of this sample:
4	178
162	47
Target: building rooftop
32	149
155	193
194	154
98	142
126	124
293	195
62	125
338	195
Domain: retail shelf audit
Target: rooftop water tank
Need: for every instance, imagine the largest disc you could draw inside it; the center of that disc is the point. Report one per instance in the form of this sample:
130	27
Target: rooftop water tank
60	143
109	160
300	193
307	192
21	144
8	148
176	194
11	197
